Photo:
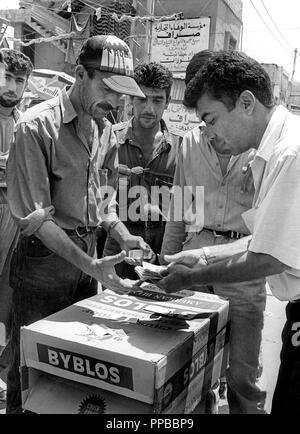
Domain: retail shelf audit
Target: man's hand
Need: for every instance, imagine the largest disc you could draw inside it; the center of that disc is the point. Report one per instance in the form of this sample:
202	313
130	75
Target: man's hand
176	278
178	275
104	271
189	258
130	242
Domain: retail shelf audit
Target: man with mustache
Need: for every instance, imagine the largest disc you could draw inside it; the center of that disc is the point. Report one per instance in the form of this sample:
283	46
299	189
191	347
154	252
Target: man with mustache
17	68
57	187
147	157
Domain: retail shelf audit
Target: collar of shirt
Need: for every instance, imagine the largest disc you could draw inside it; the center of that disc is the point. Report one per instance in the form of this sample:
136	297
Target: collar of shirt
272	133
69	113
126	136
16	114
266	147
67	109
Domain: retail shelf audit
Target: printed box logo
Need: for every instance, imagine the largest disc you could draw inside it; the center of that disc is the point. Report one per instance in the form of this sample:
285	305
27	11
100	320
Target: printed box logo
112	373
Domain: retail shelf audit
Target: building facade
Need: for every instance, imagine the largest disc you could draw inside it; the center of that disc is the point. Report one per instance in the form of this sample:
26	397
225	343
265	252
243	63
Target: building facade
225	21
279	80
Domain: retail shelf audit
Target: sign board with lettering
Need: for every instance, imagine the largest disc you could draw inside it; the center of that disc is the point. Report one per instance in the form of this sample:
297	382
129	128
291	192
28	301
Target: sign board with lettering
175	42
144	346
180	119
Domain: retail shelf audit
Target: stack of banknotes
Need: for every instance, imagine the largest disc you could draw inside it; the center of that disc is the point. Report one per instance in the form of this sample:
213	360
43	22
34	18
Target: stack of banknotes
149	272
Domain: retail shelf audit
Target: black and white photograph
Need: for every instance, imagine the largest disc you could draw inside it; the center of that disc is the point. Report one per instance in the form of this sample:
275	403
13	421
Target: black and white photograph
149	214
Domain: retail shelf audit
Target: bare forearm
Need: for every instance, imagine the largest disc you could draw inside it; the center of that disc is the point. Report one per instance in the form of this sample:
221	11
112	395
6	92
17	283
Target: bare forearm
239	268
101	269
58	241
220	252
118	231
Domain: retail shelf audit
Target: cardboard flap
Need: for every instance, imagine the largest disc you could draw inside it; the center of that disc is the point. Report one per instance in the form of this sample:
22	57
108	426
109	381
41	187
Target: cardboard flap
54	395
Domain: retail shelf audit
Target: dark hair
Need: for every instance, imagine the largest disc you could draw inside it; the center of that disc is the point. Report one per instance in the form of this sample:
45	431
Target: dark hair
225	76
196	62
154	75
16	62
90	72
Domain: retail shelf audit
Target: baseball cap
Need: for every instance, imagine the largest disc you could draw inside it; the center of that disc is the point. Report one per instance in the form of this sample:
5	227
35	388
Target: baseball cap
111	55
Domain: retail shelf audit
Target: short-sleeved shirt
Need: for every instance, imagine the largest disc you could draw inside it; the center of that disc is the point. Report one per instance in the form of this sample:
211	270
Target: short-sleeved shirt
274	219
158	171
7	125
52	172
225	196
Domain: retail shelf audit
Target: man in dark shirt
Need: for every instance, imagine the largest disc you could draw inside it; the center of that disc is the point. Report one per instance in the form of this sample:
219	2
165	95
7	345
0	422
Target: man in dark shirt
147	158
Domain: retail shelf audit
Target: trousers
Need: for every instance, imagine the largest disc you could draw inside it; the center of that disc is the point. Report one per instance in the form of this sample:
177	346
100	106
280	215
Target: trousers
246	392
43	283
286	398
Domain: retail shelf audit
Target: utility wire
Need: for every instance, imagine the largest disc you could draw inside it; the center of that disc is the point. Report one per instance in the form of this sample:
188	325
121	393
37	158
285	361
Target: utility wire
270	30
275	25
265	30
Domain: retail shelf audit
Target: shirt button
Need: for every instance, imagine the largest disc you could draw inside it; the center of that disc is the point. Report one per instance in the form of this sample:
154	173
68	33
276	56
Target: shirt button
140	156
218	225
221	206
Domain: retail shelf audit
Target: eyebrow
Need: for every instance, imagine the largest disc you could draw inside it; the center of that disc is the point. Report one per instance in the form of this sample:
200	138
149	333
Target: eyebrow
16	77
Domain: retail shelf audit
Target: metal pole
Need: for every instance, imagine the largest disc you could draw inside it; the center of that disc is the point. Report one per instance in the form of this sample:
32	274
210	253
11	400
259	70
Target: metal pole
242	37
150	8
292	79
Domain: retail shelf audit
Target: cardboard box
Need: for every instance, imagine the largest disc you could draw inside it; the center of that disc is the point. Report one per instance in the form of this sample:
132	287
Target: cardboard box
149	346
49	394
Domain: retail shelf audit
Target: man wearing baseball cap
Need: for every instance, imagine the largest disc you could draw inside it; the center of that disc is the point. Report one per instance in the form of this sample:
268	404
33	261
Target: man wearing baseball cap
111	56
56	185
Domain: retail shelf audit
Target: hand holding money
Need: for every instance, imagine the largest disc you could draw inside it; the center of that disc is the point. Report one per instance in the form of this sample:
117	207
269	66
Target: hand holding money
150	272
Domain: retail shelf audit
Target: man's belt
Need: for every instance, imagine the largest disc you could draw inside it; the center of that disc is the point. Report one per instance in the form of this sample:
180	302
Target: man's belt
228	234
147	223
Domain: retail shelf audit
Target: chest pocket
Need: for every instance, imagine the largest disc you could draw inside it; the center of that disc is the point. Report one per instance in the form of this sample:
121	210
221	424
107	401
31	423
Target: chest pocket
245	190
244	193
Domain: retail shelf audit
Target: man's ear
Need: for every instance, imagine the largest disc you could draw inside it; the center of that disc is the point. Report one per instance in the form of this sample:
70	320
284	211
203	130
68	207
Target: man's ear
167	102
247	101
79	73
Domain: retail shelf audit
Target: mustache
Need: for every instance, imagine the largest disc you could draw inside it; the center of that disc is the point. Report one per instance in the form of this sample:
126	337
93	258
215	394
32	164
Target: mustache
104	105
10	94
